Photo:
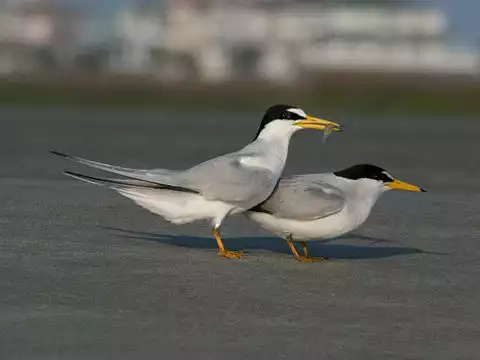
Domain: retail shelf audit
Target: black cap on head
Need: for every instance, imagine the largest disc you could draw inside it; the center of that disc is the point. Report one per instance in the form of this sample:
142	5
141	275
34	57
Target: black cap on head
278	112
365	171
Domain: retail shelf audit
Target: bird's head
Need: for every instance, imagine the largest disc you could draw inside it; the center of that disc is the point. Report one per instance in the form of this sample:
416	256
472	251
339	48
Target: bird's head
287	119
375	178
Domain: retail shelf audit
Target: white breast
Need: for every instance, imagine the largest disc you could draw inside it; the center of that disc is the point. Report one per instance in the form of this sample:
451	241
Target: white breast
332	226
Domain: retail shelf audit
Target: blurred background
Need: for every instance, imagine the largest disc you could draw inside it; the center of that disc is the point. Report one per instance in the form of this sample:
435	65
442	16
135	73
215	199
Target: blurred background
373	56
87	274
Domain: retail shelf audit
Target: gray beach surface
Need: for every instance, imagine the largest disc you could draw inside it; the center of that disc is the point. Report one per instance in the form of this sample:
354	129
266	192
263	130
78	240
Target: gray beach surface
86	274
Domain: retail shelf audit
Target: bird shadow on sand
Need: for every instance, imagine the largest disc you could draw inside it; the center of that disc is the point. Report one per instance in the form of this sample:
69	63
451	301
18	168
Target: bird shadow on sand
277	245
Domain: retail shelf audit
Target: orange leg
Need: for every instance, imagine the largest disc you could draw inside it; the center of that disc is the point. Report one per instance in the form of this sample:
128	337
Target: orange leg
307	254
221	248
305	250
306	258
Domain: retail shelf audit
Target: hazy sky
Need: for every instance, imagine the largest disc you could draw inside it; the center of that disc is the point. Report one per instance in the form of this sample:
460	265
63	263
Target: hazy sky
463	15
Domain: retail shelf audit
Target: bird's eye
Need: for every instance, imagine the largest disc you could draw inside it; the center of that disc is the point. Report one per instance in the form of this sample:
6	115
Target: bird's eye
381	177
288	115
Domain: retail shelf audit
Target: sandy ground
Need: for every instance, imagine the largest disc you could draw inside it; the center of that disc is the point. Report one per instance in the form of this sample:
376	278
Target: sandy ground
86	274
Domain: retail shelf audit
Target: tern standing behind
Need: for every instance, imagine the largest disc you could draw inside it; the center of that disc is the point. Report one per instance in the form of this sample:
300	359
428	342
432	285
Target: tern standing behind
214	189
323	206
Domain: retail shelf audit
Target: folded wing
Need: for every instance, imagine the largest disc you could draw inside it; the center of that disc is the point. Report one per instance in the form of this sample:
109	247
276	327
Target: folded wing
224	179
304	197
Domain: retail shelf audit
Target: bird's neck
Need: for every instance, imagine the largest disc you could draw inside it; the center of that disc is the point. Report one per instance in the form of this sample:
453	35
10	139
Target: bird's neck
362	198
277	130
274	141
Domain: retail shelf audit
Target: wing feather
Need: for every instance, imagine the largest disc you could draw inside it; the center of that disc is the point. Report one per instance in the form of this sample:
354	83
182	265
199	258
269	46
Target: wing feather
227	179
223	178
303	197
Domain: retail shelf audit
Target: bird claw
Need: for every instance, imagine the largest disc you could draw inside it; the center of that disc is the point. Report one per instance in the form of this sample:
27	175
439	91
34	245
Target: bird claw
310	259
231	254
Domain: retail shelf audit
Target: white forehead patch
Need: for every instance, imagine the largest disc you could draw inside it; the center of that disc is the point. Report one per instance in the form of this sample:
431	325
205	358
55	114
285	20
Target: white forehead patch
386	173
298	111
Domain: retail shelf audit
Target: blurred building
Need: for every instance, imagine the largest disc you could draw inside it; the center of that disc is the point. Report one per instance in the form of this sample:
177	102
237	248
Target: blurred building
221	40
25	35
36	35
127	40
292	38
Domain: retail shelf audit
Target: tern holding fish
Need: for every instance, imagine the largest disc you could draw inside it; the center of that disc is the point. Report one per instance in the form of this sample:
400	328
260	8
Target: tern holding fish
323	206
222	186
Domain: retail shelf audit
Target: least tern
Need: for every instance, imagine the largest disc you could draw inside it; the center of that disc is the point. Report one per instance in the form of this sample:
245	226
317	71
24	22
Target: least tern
323	206
222	186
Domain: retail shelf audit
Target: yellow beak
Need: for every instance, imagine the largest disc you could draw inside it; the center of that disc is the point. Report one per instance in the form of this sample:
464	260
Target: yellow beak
400	185
319	124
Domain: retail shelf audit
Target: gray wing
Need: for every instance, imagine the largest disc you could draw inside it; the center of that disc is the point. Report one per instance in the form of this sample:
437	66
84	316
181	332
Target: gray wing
224	178
304	197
